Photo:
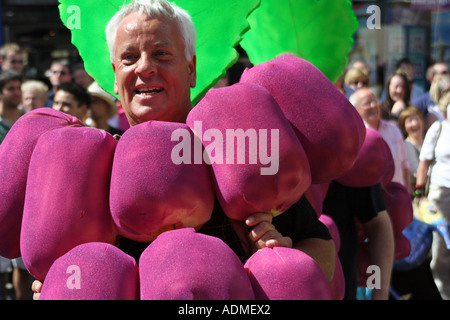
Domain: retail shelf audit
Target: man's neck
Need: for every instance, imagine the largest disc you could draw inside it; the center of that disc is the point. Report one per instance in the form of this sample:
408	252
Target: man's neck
373	124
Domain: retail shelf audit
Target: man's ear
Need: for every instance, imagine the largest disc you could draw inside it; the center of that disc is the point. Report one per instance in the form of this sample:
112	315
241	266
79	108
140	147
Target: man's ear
116	88
192	66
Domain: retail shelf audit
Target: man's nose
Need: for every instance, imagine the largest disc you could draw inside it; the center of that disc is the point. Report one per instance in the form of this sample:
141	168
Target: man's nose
146	66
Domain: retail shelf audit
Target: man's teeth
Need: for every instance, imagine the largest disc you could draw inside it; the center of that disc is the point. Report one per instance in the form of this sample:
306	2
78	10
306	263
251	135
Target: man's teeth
148	90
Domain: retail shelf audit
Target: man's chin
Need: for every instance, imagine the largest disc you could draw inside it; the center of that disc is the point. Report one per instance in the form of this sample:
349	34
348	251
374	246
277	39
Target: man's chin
145	113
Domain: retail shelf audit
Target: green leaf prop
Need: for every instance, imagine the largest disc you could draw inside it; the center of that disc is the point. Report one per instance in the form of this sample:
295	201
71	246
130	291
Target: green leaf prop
319	31
219	25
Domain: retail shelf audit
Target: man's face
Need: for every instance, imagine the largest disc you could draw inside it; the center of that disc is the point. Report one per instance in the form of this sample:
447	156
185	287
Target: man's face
152	76
368	107
13	61
59	74
32	99
441	70
65	101
11	94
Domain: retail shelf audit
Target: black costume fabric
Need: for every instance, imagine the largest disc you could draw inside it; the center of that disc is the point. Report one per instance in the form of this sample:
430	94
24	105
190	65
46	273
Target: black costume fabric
344	204
299	222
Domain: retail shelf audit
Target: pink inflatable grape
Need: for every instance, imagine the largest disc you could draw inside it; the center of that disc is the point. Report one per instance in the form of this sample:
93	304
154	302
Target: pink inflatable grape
281	273
400	210
398	205
15	154
373	164
66	202
402	247
329	128
92	271
337	284
185	265
315	196
334	232
258	163
155	183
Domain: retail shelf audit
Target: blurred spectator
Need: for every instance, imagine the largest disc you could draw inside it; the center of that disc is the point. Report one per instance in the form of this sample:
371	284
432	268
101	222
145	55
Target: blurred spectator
359	64
397	96
412	124
417	282
11	58
434	72
406	66
80	76
34	95
444	102
10	98
436	151
103	107
368	106
356	78
437	90
58	74
72	99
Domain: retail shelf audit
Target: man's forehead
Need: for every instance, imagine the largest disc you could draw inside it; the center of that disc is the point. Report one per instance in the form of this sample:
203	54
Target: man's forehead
134	21
64	94
156	32
366	95
13	83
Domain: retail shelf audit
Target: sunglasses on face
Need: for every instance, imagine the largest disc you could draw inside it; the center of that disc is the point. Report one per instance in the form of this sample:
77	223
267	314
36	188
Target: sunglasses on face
16	61
362	82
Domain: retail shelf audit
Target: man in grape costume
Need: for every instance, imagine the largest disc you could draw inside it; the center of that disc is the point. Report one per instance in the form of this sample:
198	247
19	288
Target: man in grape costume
154	62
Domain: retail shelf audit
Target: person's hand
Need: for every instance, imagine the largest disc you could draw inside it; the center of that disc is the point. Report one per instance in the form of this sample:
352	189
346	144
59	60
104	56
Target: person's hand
36	287
398	107
263	232
418	192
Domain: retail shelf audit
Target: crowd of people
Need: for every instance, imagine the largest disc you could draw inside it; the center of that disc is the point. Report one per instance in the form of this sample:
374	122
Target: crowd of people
69	89
407	119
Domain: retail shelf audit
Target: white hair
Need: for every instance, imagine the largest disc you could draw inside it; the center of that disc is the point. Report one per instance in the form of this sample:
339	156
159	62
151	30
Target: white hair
354	99
154	9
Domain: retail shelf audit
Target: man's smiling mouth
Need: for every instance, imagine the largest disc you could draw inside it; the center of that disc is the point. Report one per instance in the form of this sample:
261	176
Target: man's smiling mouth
148	91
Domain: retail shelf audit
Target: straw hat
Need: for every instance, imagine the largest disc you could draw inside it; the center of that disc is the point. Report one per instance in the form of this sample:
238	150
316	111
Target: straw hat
96	91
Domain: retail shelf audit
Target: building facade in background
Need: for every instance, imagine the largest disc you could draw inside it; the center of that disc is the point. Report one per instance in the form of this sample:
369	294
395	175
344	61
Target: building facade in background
388	31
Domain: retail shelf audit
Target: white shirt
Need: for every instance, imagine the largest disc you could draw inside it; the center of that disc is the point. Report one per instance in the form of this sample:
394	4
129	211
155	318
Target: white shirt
394	138
440	174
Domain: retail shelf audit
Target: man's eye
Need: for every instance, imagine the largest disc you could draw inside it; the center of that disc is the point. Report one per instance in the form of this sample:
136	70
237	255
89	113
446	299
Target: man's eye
161	54
129	57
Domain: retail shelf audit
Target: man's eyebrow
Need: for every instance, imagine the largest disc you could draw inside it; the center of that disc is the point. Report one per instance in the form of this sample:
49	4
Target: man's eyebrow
161	43
132	46
126	47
